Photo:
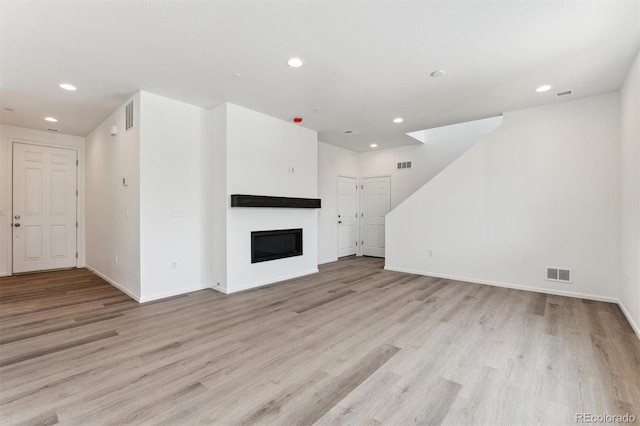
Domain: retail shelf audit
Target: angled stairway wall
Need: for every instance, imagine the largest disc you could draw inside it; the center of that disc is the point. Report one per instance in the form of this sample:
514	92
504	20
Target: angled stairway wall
443	145
541	190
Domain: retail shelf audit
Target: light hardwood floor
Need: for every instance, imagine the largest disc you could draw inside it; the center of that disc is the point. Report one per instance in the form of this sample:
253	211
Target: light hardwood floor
354	344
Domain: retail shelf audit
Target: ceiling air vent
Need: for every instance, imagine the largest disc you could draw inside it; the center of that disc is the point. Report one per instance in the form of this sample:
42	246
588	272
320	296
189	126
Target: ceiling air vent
129	116
559	274
404	165
51	129
564	95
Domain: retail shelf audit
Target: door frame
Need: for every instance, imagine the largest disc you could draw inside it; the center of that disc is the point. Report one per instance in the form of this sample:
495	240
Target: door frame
357	227
80	200
361	189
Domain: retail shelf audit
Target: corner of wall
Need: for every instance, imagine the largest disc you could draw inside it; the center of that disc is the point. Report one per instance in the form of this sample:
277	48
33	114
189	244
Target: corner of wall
218	163
113	207
630	194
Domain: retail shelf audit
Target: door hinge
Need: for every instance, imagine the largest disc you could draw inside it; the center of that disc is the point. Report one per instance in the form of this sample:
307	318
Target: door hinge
76	192
356	243
76	224
356	215
77	162
76	255
361	187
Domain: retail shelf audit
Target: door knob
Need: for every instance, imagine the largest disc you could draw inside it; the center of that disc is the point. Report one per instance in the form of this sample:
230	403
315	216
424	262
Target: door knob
339	221
17	217
17	225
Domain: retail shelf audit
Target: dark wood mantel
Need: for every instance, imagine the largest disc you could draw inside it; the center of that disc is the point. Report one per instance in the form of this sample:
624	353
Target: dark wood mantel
241	200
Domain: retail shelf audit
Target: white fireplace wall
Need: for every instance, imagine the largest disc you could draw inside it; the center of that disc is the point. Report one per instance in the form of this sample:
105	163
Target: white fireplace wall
268	156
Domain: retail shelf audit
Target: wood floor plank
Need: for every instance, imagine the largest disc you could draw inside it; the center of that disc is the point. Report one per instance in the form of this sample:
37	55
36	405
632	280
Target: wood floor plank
353	344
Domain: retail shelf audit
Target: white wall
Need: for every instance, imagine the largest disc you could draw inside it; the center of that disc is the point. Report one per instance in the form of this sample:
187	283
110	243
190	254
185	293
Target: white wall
443	145
10	134
175	197
332	162
110	231
541	190
630	195
261	151
218	168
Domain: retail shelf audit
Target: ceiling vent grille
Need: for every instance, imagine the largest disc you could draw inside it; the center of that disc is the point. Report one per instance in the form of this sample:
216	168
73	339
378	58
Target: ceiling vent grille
129	116
564	95
404	165
559	274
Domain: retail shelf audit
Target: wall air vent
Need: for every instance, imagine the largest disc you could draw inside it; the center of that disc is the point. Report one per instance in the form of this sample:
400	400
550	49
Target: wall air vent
564	95
404	165
559	274
129	116
51	129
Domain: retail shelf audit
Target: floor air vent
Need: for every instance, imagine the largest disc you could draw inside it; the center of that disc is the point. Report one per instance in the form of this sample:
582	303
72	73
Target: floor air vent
559	274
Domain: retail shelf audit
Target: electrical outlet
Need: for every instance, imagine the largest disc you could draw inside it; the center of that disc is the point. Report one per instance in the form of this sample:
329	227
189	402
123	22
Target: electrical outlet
126	212
174	265
430	253
115	259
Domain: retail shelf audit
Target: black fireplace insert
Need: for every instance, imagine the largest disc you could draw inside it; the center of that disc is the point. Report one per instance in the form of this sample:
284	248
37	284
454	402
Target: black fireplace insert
276	244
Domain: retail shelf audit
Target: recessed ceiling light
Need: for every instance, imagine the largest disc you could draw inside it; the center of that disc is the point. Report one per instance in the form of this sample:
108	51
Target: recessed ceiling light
374	145
543	88
294	62
51	119
438	73
67	86
398	120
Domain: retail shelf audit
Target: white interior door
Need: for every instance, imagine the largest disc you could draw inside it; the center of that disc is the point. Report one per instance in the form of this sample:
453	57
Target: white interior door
347	222
376	204
44	208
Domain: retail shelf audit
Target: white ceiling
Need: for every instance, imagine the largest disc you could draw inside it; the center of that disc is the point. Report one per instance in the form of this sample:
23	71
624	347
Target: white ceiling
366	62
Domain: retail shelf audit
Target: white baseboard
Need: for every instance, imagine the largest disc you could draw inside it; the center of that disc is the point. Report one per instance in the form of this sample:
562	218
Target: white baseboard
5	274
115	284
269	282
322	262
221	289
175	293
508	285
628	316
